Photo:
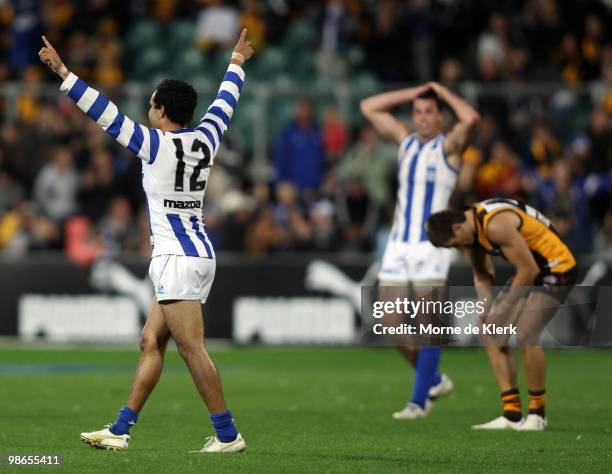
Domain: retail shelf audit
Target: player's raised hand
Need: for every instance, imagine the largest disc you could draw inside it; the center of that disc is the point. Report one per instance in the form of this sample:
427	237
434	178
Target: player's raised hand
51	58
243	48
437	87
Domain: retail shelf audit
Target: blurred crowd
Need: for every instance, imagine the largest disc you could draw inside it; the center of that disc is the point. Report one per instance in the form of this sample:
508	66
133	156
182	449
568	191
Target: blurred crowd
331	182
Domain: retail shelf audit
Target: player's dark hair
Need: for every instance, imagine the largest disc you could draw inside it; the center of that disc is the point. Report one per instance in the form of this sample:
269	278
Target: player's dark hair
430	94
178	98
439	226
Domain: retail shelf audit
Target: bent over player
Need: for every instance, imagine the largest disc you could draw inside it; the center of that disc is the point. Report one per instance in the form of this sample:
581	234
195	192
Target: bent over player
545	273
427	169
176	163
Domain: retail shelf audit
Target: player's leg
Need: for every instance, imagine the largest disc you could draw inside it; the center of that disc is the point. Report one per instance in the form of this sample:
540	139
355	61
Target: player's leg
539	310
503	365
153	343
427	267
185	320
427	375
389	291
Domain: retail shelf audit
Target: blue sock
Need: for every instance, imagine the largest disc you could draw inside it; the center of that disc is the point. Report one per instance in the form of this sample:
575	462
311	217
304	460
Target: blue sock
127	417
224	426
437	379
426	371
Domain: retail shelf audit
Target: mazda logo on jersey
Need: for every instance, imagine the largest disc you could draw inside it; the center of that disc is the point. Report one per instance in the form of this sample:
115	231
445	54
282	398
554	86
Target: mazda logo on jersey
182	204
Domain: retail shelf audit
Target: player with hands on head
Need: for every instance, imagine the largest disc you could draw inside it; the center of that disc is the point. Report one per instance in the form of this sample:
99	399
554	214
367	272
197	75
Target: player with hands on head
427	169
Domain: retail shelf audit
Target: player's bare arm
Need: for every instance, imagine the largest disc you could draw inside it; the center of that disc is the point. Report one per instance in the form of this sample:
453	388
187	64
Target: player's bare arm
467	117
483	271
377	109
503	231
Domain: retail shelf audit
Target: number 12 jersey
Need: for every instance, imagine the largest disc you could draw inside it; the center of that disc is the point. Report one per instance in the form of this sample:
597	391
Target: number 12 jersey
175	165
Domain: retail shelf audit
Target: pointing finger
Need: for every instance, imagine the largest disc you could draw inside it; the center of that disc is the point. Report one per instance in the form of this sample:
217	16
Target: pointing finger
47	42
243	34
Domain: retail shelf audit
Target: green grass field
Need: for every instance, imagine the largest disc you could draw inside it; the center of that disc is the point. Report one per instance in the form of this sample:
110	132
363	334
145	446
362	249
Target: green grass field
302	410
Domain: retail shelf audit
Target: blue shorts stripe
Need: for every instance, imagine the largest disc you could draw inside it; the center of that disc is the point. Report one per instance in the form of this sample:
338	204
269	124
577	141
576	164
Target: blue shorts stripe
154	141
409	194
98	107
195	226
115	128
227	97
77	90
235	78
136	139
218	111
181	234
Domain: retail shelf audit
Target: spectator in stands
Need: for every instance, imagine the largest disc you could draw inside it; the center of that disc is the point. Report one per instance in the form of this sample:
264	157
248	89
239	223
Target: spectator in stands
570	61
358	215
499	177
299	152
599	135
335	134
451	72
464	193
25	33
544	29
11	193
217	25
236	213
83	245
97	185
334	24
34	232
56	186
117	230
324	235
591	45
544	148
262	234
386	51
252	18
294	230
566	205
494	45
371	161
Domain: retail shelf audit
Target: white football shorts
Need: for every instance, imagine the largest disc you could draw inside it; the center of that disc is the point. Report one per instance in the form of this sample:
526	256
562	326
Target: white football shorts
177	277
403	262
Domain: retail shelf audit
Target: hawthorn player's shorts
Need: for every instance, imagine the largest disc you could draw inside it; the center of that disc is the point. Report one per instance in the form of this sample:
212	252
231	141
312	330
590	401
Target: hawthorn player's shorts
177	277
557	285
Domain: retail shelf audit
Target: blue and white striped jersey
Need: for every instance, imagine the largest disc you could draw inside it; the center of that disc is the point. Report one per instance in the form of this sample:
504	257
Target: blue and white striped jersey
175	165
425	183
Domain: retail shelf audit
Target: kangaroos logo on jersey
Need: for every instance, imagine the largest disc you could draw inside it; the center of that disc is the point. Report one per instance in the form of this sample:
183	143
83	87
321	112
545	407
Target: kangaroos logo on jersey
182	204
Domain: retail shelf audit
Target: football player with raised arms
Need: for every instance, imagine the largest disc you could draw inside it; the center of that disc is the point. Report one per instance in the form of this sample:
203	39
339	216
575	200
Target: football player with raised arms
176	162
427	169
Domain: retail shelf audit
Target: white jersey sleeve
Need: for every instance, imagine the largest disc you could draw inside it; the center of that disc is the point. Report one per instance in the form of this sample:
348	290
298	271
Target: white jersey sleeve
137	138
218	116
